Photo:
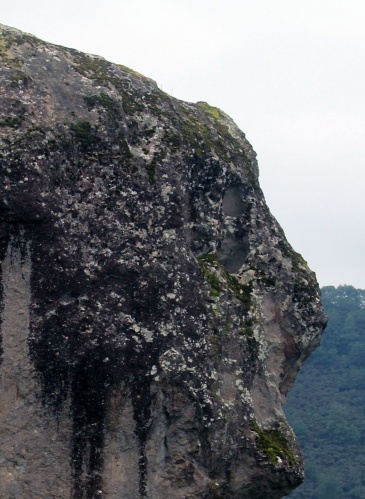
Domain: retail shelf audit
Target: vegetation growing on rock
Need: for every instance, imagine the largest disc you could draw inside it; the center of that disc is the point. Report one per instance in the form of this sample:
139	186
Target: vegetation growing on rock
274	444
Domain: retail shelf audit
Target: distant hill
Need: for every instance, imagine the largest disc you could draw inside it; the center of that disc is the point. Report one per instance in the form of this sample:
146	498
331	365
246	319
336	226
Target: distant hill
326	406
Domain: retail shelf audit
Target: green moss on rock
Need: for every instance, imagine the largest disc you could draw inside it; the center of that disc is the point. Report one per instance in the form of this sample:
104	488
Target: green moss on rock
103	100
84	133
274	444
214	111
213	271
209	266
11	121
2	45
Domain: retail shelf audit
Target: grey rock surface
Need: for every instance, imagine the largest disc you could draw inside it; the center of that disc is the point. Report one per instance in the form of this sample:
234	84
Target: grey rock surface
153	314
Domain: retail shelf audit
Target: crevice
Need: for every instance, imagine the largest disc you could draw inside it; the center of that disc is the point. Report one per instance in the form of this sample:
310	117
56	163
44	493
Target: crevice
141	402
89	401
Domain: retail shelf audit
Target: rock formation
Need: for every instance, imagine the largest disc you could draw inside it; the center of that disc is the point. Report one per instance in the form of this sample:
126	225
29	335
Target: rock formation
153	315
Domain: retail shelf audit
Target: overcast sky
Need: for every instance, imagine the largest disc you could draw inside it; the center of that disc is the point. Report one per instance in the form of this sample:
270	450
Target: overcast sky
289	72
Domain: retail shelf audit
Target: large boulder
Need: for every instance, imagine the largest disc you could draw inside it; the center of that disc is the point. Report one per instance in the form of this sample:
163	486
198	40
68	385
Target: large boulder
153	314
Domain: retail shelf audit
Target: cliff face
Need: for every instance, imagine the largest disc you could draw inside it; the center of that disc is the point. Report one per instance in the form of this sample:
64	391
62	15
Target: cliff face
153	315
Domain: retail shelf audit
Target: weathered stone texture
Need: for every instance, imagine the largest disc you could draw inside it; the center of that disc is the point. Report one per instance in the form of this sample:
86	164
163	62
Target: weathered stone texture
153	314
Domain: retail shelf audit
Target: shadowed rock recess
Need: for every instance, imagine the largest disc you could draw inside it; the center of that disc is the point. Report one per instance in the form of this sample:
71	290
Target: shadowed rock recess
153	315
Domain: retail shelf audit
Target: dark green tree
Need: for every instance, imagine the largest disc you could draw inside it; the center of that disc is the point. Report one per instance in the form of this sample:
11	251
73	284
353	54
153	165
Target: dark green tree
326	406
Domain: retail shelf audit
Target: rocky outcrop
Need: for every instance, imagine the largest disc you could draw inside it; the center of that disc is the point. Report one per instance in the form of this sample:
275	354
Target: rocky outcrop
153	315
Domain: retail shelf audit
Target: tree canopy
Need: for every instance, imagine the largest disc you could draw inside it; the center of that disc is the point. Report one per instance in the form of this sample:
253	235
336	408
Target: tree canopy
326	406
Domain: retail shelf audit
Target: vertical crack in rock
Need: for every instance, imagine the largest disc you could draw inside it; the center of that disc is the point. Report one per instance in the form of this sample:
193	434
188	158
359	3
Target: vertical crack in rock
141	400
89	401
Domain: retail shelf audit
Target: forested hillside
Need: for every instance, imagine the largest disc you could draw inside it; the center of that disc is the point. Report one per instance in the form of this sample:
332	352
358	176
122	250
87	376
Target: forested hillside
326	406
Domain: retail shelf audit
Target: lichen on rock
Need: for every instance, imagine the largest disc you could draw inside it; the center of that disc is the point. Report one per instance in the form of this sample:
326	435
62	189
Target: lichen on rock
164	315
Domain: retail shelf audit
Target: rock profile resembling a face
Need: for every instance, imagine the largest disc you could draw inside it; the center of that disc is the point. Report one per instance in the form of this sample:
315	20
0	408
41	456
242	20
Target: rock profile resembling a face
153	315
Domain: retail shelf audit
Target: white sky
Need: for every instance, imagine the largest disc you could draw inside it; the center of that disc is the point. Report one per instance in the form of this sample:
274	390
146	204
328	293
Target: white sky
290	73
